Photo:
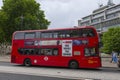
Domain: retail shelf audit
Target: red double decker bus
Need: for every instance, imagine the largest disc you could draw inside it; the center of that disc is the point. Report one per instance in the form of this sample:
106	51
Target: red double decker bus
71	47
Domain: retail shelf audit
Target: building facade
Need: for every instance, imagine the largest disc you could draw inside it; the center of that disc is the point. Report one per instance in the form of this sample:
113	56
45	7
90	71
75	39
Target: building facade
103	18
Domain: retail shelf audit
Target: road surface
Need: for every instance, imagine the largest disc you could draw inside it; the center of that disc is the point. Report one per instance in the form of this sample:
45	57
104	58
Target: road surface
11	76
75	74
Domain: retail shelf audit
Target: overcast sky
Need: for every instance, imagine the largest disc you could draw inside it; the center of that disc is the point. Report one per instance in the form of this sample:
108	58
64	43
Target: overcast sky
66	13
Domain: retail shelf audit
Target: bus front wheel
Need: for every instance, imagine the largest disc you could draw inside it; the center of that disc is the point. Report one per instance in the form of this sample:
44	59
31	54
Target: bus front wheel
73	64
27	62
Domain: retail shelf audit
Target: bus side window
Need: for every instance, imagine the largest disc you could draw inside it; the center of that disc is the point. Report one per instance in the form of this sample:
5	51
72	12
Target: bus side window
86	51
38	35
61	34
87	33
42	51
55	52
68	33
37	51
90	52
49	52
30	35
46	35
32	51
26	52
45	51
19	35
64	34
21	51
55	34
84	35
75	33
91	33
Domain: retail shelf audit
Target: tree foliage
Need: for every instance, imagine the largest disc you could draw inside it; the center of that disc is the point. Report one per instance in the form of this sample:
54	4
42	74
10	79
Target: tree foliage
21	15
111	40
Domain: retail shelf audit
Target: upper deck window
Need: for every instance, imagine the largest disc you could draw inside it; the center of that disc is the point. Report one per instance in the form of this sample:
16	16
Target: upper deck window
64	34
82	33
38	34
75	33
87	33
19	35
55	34
30	35
46	35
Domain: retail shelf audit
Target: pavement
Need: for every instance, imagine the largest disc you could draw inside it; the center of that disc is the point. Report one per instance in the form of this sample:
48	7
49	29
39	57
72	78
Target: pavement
5	58
105	61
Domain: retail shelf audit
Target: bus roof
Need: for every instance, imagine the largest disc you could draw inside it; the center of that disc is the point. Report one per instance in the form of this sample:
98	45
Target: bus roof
79	27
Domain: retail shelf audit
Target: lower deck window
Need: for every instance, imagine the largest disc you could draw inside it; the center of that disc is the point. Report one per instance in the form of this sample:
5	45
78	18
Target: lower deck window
38	51
90	51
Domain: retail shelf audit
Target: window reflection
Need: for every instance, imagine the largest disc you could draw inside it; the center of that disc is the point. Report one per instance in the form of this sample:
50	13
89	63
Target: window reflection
90	52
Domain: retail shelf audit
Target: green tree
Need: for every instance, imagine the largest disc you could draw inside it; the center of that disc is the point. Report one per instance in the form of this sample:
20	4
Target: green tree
111	40
21	15
1	36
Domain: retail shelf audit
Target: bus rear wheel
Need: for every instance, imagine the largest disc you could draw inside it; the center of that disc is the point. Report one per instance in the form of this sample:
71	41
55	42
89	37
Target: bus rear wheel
73	64
27	62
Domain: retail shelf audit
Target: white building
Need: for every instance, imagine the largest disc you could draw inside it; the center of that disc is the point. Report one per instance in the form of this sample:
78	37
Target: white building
103	17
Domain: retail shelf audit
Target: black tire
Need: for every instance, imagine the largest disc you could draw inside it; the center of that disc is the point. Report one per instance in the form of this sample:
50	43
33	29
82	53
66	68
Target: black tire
73	64
27	62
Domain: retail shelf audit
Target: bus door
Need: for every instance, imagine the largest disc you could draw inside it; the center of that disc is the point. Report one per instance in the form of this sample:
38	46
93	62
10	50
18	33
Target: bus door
91	56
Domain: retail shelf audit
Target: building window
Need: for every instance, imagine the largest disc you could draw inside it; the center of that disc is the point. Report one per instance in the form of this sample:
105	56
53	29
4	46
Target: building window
86	18
98	14
110	16
95	20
